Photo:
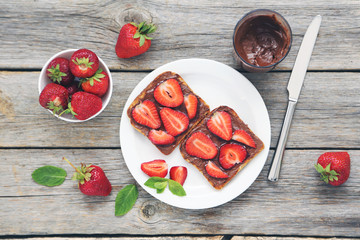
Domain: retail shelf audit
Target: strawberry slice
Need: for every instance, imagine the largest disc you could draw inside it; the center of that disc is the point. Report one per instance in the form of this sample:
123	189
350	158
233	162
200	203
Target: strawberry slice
160	137
243	137
178	174
200	145
175	122
155	168
191	103
231	154
145	113
220	125
169	93
213	170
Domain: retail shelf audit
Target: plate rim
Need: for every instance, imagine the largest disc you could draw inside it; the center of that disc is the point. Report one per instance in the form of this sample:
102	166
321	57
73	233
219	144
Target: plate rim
170	65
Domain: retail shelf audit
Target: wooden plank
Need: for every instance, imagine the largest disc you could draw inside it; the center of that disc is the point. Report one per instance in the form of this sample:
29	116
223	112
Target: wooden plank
299	204
325	116
33	31
284	238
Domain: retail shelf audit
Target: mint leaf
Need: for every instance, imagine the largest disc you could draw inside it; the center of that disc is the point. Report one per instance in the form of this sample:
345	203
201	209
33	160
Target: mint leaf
160	184
125	199
49	176
176	188
151	181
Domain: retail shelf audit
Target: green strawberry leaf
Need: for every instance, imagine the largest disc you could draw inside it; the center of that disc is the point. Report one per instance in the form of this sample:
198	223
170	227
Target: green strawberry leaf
142	40
136	35
160	185
49	176
176	188
126	199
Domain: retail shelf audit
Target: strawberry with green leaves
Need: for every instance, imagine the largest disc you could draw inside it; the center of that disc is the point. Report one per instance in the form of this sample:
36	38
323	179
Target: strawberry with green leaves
334	167
91	179
54	97
133	40
59	72
84	63
83	105
97	84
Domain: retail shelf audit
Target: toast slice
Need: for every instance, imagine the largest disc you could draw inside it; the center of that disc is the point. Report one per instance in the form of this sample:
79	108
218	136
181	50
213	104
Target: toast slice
200	164
148	94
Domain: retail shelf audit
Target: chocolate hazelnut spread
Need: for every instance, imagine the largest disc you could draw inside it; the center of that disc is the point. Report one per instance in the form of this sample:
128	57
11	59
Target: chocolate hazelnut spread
262	40
200	164
148	94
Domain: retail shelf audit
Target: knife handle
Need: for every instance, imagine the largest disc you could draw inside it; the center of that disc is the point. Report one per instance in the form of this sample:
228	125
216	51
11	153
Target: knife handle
274	171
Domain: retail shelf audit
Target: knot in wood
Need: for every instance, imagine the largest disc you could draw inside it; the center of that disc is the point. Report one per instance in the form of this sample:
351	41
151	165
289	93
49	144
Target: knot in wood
133	14
149	212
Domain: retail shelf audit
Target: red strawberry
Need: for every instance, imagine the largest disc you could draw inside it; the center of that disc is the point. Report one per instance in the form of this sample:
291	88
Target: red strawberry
92	180
169	93
220	125
191	103
145	113
160	137
178	174
200	145
72	88
243	137
213	170
84	63
155	168
84	105
334	167
231	154
133	39
175	122
97	84
54	97
58	71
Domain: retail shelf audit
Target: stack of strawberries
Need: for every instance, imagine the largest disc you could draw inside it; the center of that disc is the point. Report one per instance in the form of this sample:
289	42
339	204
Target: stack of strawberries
77	85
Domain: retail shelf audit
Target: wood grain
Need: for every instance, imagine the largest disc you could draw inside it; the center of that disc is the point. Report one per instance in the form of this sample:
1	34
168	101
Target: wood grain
299	204
32	31
324	118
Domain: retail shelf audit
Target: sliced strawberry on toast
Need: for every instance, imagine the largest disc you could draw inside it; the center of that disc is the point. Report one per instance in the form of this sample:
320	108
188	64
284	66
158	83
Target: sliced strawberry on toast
191	103
178	174
231	154
175	122
220	125
160	137
145	113
243	137
155	168
213	170
169	93
200	145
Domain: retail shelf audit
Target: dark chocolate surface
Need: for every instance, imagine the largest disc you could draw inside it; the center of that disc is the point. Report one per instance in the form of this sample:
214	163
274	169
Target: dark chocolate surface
148	94
200	164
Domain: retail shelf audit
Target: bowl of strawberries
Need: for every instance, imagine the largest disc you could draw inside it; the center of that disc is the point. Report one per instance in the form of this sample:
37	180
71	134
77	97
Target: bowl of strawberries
75	85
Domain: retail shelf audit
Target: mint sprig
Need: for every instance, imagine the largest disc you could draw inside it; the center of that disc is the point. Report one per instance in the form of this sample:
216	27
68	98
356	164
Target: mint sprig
160	184
125	199
49	176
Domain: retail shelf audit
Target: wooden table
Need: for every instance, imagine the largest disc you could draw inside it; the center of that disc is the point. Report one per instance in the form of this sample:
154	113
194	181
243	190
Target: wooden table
299	205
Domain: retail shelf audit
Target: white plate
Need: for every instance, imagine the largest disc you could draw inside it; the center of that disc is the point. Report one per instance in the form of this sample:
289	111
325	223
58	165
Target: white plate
218	84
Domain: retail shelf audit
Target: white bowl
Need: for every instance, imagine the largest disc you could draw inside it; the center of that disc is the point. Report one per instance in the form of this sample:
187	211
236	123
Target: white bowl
44	80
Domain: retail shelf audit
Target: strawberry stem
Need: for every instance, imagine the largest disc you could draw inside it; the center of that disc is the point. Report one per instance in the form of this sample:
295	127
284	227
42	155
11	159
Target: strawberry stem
76	169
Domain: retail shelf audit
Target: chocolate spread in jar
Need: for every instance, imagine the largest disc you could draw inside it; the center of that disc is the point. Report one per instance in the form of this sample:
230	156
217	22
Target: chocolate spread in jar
261	40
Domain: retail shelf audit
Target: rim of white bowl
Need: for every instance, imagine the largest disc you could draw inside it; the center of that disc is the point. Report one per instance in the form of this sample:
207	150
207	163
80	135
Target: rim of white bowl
105	99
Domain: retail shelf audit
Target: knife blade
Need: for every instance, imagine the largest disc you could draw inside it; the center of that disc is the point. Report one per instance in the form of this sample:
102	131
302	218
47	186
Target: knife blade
295	84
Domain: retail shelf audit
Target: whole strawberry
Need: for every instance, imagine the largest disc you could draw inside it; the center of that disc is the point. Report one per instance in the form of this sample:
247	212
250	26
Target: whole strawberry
83	105
334	167
59	72
84	63
92	180
133	39
54	97
97	84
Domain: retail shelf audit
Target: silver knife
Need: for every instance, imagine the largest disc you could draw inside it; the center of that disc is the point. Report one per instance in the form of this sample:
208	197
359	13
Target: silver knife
294	87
